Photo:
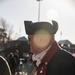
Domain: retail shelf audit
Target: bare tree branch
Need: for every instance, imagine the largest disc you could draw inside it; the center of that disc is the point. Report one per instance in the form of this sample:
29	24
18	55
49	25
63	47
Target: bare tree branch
8	28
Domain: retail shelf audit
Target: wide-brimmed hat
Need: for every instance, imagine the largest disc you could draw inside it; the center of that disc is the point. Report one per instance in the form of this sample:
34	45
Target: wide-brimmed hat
31	27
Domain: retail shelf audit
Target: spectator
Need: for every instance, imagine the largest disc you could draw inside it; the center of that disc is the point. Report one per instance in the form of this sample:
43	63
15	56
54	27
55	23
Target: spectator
12	63
17	59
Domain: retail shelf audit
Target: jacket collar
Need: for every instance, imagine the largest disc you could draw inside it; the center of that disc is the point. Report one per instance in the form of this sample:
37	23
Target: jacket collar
53	49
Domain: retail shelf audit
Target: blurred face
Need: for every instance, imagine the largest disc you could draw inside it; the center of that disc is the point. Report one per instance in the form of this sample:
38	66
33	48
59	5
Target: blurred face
40	41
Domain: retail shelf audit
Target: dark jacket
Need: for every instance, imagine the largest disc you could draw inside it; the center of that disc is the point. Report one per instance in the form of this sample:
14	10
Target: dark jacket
12	63
57	61
4	67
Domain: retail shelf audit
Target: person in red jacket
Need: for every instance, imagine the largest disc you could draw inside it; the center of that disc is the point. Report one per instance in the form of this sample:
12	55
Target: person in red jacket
50	58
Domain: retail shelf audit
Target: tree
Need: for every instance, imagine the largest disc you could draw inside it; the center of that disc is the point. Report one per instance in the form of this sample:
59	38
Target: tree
3	37
7	27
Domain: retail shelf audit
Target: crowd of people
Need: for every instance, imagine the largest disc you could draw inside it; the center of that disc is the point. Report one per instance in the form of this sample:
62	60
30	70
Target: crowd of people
46	57
20	66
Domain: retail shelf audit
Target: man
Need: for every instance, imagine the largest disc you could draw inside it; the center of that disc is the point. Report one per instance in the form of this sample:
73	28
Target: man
50	58
16	59
11	62
4	67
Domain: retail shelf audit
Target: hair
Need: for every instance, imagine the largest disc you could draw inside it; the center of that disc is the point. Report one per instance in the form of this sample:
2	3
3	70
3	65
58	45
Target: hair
16	51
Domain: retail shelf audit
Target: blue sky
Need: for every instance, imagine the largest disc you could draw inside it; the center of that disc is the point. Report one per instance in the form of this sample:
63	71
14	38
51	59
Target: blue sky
63	11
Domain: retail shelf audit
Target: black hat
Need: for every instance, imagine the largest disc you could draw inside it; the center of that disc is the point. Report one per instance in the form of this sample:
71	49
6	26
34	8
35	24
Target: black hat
31	27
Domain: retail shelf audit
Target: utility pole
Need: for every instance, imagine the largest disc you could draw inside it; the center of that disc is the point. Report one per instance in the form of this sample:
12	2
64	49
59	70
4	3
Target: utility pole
39	10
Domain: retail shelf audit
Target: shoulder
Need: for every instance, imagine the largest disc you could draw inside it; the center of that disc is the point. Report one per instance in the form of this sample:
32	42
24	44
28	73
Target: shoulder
62	61
62	53
2	59
62	56
4	67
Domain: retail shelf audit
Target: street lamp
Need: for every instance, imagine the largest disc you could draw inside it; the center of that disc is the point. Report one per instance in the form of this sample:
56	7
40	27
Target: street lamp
39	0
39	10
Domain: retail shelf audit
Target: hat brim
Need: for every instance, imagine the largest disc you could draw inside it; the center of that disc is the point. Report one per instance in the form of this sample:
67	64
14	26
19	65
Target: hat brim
31	28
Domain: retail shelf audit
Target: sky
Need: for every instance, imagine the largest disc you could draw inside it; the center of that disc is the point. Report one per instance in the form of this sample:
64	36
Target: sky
15	12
